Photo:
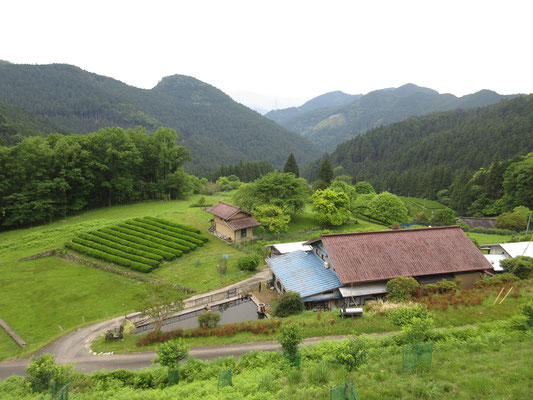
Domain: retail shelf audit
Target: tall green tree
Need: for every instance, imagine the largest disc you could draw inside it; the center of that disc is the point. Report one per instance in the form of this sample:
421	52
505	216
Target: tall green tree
291	166
325	171
388	208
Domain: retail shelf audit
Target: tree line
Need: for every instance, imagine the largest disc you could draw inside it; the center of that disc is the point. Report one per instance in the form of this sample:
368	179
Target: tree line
43	178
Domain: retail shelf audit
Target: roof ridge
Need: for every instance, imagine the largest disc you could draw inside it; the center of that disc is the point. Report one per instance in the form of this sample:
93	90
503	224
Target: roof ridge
229	204
390	231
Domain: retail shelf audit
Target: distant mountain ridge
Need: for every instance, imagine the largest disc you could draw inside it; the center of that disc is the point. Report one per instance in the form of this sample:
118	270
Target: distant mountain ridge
331	124
215	128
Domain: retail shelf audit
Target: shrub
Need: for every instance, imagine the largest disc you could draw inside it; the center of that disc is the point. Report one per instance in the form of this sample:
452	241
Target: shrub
118	253
418	331
492	231
130	236
444	286
169	354
352	353
249	262
518	323
289	303
513	221
129	230
290	337
402	287
108	257
520	266
209	319
174	224
153	248
443	216
404	316
421	218
43	373
117	246
527	311
171	231
149	230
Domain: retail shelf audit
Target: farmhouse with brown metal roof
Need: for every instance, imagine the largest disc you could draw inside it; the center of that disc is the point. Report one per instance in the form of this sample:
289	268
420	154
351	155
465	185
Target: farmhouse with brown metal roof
232	223
364	262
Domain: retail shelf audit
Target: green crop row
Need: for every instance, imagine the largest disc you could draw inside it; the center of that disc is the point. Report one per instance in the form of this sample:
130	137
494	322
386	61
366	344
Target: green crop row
132	242
115	252
175	225
108	257
134	232
153	222
126	234
172	242
126	249
163	231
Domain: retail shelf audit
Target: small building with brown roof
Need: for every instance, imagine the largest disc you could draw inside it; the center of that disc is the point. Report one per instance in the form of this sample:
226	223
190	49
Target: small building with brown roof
231	222
365	261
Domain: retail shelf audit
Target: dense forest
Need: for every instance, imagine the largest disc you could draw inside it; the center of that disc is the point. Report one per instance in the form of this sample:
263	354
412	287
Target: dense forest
215	128
247	171
16	124
422	155
333	123
46	178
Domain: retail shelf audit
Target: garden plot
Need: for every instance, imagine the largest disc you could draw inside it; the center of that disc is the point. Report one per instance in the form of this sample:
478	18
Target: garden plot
140	243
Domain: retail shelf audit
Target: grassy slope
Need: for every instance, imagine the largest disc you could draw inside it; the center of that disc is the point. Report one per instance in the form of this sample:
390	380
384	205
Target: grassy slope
415	205
41	294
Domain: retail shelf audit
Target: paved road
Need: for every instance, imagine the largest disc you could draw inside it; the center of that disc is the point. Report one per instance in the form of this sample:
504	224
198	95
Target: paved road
86	362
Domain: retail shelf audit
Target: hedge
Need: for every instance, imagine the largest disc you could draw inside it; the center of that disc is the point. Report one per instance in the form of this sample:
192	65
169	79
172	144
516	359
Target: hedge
164	231
108	257
147	220
126	234
118	246
128	230
173	242
118	253
131	243
175	225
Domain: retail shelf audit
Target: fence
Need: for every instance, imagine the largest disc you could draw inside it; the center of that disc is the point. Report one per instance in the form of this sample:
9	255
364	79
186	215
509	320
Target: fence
346	391
224	378
417	356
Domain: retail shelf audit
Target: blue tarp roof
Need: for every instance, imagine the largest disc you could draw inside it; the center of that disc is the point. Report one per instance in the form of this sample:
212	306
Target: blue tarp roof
304	273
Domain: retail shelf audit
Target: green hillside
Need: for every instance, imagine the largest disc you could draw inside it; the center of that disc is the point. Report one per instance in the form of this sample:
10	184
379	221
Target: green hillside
375	109
421	155
16	124
216	129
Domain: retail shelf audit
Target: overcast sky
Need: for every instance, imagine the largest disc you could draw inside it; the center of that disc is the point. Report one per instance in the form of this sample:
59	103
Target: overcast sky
282	53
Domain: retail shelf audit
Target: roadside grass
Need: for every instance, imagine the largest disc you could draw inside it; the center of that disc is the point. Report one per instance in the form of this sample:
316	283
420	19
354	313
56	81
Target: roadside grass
40	296
328	323
495	365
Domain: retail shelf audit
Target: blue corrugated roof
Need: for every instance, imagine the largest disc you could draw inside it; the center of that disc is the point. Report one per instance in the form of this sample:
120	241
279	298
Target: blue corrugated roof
303	273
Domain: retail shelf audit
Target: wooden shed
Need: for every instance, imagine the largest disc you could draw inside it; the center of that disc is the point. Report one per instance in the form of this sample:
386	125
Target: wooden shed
232	223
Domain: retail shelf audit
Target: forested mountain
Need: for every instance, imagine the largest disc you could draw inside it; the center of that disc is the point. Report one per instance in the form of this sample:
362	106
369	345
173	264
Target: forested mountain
215	128
327	127
422	155
16	123
327	100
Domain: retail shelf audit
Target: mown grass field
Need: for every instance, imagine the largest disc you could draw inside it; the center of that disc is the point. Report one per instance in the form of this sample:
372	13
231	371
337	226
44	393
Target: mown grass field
416	204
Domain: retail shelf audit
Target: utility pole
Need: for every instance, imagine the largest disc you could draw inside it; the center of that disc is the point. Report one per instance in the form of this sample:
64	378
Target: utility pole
528	222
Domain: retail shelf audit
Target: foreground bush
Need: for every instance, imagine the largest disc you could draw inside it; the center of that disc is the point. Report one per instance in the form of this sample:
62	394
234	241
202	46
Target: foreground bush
170	354
404	316
44	373
249	262
209	319
352	353
289	303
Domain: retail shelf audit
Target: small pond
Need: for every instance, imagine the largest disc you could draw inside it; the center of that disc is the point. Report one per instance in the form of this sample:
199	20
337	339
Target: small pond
234	311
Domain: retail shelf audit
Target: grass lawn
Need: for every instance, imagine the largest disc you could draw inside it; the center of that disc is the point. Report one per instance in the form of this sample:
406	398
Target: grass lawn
484	238
40	296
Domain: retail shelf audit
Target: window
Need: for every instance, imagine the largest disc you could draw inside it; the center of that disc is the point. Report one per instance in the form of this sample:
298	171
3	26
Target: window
243	233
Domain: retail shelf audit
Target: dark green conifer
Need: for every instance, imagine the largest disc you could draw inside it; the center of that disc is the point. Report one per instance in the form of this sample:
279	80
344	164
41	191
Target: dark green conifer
291	166
325	171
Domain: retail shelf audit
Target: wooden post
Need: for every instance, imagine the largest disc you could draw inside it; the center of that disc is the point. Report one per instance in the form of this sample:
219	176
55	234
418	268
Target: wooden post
499	294
506	295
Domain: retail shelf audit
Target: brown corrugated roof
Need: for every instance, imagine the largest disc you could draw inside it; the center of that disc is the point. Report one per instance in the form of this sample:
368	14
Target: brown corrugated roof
225	210
375	256
242	223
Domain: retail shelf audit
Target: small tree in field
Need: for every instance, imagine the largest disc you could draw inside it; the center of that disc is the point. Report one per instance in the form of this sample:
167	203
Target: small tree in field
159	301
443	217
290	337
272	217
170	353
331	207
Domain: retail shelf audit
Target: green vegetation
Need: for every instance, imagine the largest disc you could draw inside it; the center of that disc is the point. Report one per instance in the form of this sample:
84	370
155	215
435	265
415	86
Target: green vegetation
247	171
218	129
287	304
331	207
292	166
33	291
401	157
